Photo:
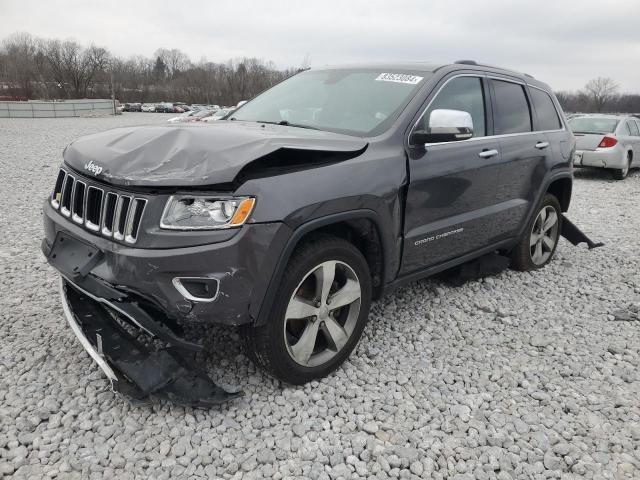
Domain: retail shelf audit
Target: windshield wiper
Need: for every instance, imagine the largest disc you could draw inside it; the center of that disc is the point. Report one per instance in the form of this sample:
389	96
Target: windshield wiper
284	123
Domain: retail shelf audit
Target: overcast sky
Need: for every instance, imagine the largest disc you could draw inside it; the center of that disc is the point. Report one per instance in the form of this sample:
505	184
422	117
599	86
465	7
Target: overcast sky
562	42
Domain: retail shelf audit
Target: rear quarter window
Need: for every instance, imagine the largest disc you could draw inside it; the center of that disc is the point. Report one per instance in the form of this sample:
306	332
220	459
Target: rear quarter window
546	113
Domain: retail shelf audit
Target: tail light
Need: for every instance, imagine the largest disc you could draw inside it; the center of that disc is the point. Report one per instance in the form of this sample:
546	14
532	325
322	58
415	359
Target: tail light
608	142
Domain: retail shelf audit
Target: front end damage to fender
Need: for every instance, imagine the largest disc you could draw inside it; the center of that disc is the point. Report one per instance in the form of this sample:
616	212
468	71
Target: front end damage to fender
136	368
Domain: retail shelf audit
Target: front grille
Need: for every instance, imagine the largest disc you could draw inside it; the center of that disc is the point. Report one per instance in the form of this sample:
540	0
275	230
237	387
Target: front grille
112	214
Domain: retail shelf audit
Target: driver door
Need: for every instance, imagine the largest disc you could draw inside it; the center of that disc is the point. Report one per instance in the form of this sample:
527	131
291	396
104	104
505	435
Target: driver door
451	199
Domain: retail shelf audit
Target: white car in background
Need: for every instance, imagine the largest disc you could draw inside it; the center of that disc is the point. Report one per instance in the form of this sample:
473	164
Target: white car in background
607	141
218	115
185	117
148	107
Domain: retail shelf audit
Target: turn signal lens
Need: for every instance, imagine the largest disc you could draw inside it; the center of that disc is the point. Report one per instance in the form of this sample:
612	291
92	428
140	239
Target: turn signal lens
608	142
243	211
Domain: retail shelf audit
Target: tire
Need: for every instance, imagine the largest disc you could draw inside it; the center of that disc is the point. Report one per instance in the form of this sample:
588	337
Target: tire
621	173
327	336
537	245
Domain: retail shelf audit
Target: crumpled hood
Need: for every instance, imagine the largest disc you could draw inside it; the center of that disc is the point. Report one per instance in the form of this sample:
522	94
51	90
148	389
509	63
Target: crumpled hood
192	155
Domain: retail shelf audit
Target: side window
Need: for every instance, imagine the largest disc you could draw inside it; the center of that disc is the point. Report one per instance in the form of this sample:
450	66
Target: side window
637	127
545	110
512	113
461	93
633	128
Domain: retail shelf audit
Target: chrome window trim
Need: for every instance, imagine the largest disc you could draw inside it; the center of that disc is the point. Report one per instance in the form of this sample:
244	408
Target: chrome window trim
486	137
492	137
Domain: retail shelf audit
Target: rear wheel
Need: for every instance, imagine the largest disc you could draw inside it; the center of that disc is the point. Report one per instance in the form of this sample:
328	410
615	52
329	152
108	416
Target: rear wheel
318	315
621	173
540	239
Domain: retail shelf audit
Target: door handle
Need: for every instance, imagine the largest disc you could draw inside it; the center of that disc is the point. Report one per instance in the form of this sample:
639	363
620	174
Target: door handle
488	153
541	145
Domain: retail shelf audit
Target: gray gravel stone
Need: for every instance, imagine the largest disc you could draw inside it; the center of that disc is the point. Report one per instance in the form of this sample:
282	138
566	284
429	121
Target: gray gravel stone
521	375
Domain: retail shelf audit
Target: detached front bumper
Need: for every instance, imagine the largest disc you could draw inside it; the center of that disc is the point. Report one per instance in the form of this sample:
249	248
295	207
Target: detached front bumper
132	367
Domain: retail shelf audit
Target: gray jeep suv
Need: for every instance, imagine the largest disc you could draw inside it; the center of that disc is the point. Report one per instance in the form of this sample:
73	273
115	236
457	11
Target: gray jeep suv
290	216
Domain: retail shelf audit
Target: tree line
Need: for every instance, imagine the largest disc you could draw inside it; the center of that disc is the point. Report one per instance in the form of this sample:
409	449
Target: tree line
51	69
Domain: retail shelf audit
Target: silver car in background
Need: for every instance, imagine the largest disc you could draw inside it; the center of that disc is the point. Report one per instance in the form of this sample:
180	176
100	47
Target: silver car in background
607	141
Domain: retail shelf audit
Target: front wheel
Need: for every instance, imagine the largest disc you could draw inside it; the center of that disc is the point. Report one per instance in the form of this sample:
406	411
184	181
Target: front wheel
539	241
319	312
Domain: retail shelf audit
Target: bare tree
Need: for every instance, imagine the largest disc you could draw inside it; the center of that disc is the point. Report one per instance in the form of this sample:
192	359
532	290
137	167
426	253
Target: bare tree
601	90
50	68
20	51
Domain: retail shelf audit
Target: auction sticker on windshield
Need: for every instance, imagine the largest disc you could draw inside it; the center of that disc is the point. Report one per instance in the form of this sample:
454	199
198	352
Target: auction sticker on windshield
399	78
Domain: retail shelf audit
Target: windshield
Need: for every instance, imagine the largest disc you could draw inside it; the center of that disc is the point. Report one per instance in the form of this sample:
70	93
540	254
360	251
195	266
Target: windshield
355	102
593	125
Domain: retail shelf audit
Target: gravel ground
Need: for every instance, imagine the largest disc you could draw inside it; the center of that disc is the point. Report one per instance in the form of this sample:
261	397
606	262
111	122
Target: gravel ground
522	375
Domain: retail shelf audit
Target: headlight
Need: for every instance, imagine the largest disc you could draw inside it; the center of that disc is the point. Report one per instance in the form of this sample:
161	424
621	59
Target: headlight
184	212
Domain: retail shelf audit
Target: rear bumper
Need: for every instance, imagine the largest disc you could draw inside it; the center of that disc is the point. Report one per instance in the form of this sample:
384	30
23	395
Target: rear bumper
601	158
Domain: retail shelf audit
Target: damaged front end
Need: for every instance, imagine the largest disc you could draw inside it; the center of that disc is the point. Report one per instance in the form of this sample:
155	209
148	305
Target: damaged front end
140	353
134	367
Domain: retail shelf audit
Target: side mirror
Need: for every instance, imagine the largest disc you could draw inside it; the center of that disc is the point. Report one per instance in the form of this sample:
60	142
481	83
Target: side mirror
444	126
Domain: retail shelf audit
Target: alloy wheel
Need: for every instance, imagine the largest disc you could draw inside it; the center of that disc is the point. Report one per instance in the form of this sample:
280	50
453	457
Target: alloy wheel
322	313
544	235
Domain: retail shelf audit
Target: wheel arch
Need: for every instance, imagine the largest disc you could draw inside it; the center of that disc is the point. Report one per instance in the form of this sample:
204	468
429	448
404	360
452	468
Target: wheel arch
561	189
360	227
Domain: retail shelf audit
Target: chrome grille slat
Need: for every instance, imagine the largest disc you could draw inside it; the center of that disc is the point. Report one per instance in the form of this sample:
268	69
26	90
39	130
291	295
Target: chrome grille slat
56	196
109	213
78	201
107	217
93	205
136	209
120	217
67	195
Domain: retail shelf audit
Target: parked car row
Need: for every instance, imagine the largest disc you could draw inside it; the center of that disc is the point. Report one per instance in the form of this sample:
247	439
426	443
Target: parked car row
162	107
203	115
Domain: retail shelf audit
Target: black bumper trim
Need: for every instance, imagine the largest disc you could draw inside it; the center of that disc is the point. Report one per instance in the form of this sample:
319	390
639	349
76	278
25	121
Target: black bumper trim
132	368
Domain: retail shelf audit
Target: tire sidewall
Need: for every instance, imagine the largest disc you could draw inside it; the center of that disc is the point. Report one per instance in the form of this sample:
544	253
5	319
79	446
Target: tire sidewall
293	276
548	200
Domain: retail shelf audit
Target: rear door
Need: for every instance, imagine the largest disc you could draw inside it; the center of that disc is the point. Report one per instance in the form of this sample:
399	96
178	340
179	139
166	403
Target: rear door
525	155
451	195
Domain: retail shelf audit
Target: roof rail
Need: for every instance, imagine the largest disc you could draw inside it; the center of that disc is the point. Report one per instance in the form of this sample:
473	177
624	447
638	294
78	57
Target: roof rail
473	62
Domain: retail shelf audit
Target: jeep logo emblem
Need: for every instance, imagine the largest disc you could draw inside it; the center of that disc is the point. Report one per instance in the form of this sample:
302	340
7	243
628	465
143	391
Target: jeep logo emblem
93	168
